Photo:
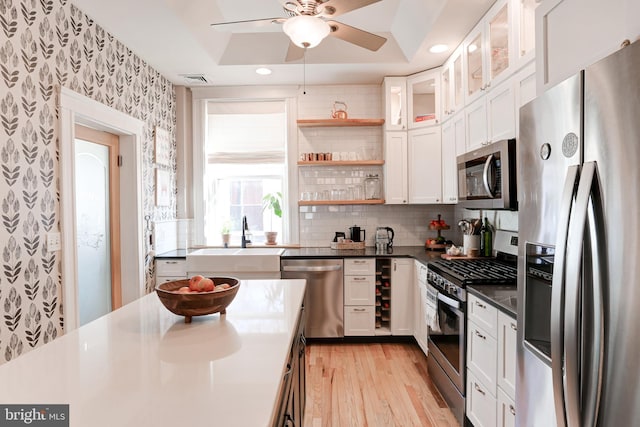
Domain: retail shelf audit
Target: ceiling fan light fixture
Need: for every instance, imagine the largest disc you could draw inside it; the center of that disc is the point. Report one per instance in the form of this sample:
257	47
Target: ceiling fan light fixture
306	31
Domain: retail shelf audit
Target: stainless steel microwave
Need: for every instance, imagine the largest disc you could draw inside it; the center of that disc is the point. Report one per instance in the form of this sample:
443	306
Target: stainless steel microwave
487	177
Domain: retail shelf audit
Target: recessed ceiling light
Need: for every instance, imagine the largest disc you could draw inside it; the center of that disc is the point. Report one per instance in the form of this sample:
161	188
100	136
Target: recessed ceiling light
438	48
472	48
263	71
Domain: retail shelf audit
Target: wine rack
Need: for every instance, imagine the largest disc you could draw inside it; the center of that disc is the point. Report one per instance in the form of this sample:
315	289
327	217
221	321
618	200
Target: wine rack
383	296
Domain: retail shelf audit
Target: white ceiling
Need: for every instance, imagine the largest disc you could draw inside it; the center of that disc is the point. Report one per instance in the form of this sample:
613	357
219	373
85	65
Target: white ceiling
176	38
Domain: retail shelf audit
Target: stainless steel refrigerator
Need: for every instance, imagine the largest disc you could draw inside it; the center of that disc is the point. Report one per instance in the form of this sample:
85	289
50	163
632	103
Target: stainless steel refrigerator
578	264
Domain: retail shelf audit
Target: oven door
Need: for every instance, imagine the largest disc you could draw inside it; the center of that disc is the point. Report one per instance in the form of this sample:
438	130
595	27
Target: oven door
447	346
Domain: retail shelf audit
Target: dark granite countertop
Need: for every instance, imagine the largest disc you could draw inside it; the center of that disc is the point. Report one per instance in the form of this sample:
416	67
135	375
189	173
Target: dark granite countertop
417	252
503	297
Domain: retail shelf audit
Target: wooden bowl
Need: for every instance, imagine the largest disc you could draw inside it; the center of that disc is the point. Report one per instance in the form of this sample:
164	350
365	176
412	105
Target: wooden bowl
199	303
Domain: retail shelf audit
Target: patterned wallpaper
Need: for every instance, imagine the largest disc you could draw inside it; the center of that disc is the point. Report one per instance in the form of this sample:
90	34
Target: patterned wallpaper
44	44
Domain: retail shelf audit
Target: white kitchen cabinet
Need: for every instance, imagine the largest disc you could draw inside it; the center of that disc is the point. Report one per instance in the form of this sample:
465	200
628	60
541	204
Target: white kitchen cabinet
395	103
501	112
506	410
359	321
480	403
507	346
359	290
359	266
396	178
476	120
359	296
572	34
483	314
525	89
524	30
168	270
425	165
420	327
423	99
453	144
402	296
482	355
452	85
488	51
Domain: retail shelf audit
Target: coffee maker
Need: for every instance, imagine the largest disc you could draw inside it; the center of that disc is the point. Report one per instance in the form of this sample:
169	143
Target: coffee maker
384	239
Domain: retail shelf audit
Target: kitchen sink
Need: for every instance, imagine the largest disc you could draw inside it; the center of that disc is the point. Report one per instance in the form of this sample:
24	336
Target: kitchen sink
234	261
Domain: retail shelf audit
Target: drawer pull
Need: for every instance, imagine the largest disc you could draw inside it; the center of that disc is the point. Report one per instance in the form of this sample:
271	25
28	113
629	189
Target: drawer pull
478	389
171	262
360	262
480	335
359	279
479	304
514	327
360	309
512	410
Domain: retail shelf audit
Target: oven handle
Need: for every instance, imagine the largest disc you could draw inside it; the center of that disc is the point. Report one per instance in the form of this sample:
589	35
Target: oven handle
453	304
485	175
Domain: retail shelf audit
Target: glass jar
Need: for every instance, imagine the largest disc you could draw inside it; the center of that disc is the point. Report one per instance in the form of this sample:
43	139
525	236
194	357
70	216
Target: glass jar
372	187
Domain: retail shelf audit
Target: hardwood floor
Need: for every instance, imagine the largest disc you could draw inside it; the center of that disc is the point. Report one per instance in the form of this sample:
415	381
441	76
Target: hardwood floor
371	384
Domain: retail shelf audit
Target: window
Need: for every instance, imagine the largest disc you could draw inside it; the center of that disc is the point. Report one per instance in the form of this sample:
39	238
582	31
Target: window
244	161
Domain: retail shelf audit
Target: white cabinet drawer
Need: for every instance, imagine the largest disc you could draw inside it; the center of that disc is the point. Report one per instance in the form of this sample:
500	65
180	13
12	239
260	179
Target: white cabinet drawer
359	320
164	279
481	404
360	266
359	290
483	314
171	267
482	355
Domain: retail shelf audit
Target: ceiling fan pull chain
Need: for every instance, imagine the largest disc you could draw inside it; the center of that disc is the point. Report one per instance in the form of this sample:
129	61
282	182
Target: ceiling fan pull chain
304	72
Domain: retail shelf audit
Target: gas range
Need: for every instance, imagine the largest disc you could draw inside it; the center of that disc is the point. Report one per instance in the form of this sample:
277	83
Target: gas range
453	276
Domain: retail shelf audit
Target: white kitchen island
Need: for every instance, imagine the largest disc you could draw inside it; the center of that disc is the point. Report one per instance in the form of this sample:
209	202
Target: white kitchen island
141	365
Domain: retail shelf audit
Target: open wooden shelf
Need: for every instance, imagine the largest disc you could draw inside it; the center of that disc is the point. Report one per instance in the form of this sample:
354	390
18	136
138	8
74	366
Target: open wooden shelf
340	202
341	163
339	123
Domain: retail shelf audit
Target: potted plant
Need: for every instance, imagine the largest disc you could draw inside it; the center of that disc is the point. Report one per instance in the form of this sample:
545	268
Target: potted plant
226	233
273	202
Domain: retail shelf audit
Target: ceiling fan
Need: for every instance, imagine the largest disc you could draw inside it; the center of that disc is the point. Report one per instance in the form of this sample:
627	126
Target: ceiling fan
310	21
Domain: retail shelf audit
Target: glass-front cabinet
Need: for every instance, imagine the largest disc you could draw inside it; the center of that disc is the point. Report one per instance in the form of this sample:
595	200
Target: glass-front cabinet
524	23
487	51
451	85
395	99
423	97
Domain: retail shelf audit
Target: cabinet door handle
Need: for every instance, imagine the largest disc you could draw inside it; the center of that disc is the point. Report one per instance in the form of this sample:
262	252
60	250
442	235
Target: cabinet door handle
480	305
478	389
479	335
514	327
512	410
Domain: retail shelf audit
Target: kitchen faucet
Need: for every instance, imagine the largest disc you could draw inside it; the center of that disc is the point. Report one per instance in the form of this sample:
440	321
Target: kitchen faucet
245	229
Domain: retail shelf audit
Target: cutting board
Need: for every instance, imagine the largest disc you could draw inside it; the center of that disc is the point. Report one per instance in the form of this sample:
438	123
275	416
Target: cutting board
450	257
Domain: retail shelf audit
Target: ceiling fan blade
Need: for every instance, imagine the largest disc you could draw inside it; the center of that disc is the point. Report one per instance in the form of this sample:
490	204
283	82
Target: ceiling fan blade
255	22
356	36
333	8
294	53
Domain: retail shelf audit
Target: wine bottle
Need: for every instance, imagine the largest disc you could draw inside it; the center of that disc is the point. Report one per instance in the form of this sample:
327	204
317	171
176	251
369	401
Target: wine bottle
486	239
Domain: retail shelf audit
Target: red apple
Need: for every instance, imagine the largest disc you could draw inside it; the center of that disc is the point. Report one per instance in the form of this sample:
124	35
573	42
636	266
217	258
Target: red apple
193	282
206	284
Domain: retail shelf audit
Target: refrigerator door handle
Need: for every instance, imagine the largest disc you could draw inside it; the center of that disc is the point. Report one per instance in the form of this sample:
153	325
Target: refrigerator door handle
584	328
558	296
585	331
485	175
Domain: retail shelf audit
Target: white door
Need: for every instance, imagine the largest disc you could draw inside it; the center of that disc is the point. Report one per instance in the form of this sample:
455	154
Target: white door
97	223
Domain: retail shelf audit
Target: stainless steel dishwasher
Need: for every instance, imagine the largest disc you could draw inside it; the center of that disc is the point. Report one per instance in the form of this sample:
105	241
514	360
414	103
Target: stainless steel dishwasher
324	298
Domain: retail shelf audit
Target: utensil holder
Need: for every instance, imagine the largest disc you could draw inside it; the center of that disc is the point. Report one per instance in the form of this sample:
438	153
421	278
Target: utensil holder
470	241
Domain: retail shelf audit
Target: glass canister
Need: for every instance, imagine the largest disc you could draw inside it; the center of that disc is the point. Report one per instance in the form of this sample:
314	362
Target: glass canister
372	187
